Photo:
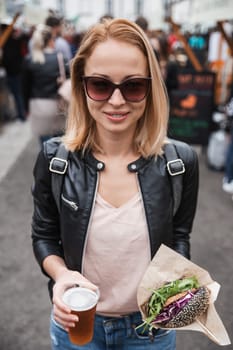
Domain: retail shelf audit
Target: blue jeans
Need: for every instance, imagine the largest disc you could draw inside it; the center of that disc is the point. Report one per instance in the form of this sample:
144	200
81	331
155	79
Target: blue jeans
116	334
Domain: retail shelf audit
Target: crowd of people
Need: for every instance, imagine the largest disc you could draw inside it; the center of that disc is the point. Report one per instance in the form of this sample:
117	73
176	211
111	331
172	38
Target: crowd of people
32	63
32	73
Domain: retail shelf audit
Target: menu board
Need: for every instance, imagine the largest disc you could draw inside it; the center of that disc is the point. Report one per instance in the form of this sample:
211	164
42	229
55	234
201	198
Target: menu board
191	107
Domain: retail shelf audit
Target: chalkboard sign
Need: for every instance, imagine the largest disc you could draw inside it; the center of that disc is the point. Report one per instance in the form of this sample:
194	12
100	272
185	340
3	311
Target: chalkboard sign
191	107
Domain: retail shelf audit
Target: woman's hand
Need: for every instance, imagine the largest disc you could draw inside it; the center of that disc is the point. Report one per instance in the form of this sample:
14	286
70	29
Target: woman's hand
61	312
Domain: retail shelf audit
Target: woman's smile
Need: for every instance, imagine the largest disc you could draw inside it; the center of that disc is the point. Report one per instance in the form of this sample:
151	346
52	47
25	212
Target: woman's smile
117	116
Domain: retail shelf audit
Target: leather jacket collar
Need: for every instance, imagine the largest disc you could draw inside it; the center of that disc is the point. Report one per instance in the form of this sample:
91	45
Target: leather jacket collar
133	167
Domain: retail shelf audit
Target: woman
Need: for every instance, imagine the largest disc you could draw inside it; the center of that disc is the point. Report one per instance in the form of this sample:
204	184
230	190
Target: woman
41	80
116	201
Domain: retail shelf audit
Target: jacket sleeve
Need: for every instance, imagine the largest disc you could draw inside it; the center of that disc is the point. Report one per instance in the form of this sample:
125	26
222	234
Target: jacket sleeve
183	219
46	238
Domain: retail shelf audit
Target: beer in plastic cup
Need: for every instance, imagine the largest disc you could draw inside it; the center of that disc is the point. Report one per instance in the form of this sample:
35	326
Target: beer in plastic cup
82	302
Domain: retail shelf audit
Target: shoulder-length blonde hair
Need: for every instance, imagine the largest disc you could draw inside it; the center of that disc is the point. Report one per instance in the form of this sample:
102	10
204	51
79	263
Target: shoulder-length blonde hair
151	130
40	39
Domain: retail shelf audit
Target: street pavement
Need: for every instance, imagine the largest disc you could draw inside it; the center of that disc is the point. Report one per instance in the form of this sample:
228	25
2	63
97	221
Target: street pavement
24	303
14	136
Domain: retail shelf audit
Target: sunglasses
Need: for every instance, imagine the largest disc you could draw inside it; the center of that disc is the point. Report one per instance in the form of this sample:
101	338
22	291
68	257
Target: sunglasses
101	89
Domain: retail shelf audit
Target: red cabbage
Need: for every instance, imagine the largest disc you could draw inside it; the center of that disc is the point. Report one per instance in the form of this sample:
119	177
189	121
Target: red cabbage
173	309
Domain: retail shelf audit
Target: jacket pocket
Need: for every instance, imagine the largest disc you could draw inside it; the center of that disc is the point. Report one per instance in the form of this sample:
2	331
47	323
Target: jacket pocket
71	204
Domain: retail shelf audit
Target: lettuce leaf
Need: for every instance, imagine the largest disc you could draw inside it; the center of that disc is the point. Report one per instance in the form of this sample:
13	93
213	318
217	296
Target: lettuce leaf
159	296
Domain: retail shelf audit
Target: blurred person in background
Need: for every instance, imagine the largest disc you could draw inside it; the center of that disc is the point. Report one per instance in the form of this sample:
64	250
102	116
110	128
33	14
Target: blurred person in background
227	185
61	44
167	62
75	42
143	23
41	80
12	60
117	171
105	17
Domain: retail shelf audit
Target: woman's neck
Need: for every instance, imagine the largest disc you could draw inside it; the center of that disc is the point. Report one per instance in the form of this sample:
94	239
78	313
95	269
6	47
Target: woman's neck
115	146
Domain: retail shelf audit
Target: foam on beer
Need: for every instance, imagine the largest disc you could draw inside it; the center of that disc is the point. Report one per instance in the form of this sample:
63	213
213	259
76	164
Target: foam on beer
80	298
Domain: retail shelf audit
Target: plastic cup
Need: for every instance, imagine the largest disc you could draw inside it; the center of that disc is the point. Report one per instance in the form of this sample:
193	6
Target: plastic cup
82	302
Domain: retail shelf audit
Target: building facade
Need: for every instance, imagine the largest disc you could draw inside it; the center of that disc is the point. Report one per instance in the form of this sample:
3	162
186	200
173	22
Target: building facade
86	12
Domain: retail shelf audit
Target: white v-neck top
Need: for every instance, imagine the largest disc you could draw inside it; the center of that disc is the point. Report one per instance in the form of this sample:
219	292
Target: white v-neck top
117	254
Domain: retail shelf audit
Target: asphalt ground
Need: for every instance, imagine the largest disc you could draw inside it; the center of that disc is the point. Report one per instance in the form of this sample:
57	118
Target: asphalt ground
24	302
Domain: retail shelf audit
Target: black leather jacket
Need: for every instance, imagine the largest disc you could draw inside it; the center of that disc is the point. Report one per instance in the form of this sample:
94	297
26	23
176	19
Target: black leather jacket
65	234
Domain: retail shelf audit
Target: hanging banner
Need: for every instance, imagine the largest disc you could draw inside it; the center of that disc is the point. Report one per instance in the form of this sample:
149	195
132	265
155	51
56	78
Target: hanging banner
206	11
34	14
191	107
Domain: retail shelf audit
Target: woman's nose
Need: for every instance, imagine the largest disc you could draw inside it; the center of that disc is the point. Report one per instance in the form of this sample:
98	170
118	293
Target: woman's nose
117	98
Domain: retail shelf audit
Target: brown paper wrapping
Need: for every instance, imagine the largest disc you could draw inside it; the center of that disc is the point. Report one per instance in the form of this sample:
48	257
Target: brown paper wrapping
166	266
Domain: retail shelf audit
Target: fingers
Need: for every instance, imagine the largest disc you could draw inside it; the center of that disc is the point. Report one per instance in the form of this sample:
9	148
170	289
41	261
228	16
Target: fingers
88	285
66	320
62	313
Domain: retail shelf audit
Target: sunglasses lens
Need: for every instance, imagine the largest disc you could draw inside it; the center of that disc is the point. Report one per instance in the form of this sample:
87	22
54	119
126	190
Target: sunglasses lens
101	89
135	90
98	89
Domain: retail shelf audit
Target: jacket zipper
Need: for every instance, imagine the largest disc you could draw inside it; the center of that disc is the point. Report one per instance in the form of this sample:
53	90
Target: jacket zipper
140	191
72	204
89	223
144	209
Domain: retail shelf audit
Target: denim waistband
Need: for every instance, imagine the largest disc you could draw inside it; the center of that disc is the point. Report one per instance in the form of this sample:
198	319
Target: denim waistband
129	322
133	318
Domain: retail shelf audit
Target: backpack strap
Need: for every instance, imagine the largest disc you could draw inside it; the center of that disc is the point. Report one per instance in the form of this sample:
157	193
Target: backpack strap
58	166
175	168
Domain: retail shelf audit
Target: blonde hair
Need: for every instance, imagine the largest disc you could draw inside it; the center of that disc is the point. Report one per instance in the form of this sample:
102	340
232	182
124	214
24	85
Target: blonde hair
40	39
151	130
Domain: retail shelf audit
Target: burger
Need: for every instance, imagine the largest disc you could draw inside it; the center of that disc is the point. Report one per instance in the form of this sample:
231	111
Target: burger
177	303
